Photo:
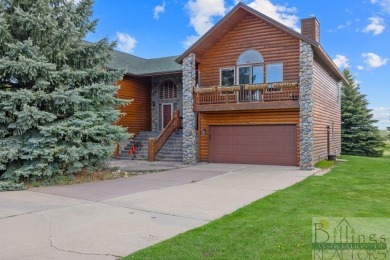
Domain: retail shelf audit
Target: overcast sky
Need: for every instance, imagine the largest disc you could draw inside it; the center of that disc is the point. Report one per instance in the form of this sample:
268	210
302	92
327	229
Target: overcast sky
354	33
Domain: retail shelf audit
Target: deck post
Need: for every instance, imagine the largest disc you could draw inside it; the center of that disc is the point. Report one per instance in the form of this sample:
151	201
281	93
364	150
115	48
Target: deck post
151	149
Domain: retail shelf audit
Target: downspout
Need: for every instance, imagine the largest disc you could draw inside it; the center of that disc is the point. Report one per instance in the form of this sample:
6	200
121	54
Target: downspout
331	157
328	141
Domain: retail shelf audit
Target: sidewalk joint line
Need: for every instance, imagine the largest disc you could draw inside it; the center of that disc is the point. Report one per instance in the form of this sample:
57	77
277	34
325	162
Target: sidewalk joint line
155	212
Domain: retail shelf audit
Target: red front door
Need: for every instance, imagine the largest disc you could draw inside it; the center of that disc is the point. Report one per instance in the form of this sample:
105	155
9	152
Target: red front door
166	114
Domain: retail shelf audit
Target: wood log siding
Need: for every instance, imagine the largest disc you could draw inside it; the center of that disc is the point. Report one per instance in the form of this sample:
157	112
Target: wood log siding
251	33
326	110
264	117
138	114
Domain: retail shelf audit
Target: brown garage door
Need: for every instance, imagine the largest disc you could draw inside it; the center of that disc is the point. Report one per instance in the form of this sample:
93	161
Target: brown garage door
265	144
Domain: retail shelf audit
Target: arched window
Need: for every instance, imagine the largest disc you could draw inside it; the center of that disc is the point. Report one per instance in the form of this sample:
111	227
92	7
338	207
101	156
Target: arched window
250	68
167	90
250	57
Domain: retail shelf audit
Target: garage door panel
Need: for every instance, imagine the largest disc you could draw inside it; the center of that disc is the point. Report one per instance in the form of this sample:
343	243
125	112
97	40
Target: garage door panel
265	144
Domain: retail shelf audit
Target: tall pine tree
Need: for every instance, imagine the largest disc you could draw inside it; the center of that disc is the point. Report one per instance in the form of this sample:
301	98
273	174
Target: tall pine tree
359	135
57	102
388	130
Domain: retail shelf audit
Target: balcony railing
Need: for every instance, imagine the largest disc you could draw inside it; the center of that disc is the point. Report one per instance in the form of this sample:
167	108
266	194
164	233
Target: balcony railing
247	93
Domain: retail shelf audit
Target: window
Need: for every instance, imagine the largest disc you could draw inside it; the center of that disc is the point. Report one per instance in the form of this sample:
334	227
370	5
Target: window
167	90
227	77
274	72
258	74
250	56
250	74
250	70
244	75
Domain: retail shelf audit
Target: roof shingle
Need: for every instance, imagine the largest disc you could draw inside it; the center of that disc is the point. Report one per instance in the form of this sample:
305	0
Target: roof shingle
139	66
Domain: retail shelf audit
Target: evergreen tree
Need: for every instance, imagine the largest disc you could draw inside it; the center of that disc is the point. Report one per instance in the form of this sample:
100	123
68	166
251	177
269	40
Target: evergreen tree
57	102
359	135
388	130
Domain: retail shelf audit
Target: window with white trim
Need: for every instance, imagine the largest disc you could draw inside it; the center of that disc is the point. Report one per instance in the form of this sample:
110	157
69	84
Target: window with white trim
251	69
167	90
274	72
227	77
250	74
250	57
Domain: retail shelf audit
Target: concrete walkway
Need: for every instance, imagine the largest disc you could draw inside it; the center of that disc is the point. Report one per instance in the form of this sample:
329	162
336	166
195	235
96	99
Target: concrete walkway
145	166
110	219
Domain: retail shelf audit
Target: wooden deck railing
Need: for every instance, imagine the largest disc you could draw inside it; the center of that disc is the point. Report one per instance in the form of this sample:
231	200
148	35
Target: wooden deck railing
247	93
155	144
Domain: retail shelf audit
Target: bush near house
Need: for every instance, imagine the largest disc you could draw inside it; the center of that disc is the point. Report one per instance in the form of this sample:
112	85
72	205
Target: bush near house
57	101
10	186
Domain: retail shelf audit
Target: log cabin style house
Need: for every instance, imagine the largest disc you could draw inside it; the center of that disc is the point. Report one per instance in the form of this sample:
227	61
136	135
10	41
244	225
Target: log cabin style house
251	90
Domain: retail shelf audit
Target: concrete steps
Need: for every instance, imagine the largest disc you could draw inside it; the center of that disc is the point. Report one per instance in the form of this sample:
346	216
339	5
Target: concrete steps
171	151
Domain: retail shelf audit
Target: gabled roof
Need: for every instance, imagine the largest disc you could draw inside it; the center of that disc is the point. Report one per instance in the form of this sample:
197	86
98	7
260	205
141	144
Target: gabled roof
236	15
137	66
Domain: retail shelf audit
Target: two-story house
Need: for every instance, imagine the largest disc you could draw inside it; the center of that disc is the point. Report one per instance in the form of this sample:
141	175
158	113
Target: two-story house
250	90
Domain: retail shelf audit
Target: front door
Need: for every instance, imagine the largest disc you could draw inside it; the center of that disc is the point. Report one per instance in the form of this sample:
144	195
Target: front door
167	113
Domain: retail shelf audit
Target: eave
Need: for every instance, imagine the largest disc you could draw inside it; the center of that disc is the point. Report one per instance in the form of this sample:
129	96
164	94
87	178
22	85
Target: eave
155	74
228	22
236	15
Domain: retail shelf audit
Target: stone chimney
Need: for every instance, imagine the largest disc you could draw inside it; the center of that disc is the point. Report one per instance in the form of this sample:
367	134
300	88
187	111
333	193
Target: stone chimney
310	27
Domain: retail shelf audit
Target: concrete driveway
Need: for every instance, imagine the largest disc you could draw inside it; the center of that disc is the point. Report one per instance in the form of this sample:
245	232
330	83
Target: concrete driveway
110	219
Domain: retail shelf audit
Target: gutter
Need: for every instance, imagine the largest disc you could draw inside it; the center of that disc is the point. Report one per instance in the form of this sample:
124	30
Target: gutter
156	73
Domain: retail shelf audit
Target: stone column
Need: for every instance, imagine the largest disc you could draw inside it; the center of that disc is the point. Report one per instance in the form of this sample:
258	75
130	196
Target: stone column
306	106
189	120
156	107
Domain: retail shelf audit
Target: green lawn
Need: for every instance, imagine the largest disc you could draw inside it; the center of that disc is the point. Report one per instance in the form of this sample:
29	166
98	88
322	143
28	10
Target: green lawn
387	149
324	164
279	226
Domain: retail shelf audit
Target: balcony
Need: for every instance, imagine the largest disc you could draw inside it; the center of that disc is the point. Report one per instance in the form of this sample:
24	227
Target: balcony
247	97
